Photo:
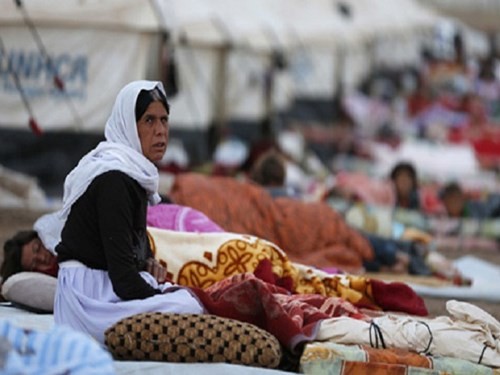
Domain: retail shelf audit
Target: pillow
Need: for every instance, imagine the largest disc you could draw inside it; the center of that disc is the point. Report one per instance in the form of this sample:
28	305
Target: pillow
31	291
192	338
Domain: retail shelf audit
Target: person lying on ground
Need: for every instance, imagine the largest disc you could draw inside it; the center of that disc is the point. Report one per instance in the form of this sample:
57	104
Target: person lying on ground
26	252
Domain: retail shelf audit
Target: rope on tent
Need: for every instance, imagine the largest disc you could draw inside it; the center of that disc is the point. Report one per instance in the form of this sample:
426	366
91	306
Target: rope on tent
33	124
57	81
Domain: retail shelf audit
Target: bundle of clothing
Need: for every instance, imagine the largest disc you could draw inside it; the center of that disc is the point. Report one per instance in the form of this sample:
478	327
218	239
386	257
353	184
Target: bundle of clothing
468	333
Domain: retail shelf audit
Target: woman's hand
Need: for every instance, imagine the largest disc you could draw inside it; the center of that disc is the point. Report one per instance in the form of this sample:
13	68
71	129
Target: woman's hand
156	269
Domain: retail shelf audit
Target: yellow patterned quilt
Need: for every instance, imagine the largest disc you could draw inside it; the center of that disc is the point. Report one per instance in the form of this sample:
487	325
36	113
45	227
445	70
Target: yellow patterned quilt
202	259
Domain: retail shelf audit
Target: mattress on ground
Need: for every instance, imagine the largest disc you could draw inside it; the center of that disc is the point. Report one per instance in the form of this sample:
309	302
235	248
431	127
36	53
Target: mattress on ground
44	322
337	359
485	278
163	368
26	319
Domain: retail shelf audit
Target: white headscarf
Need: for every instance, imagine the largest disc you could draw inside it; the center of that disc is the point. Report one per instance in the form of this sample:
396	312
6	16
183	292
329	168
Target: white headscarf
121	152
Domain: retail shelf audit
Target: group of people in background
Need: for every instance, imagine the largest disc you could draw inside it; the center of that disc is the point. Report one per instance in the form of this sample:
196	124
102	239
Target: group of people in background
103	257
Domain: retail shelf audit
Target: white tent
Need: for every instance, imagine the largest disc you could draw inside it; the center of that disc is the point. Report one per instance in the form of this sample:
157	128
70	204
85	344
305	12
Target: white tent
480	14
109	14
223	51
371	33
396	29
95	47
367	33
241	39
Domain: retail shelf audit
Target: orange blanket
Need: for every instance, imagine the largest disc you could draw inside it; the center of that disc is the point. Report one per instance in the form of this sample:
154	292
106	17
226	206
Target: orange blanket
310	233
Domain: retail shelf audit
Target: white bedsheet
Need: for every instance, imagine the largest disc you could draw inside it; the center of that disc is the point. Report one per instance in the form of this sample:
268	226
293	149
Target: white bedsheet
485	282
163	368
26	319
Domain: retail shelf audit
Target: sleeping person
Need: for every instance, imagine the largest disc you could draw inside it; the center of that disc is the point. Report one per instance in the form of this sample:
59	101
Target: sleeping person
26	252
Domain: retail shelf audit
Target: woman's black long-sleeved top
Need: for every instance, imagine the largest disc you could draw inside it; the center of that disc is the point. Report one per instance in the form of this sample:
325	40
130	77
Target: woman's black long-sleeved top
106	230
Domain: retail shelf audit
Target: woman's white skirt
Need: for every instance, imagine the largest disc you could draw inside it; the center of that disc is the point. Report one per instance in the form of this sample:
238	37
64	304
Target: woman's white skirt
85	300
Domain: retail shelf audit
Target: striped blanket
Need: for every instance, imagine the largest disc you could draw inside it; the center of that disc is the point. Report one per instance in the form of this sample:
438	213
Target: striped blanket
58	351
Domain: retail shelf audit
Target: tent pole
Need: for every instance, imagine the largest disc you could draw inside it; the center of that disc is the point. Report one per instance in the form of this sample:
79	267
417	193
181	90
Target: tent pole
340	58
219	99
268	88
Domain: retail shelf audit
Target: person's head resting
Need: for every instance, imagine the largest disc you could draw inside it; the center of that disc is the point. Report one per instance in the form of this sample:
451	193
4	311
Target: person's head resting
404	179
453	199
139	119
269	169
25	252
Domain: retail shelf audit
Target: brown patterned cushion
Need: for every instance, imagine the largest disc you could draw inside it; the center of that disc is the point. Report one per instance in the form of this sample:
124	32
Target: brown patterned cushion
192	338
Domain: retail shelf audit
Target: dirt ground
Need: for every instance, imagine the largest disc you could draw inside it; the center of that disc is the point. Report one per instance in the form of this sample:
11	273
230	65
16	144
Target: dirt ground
12	220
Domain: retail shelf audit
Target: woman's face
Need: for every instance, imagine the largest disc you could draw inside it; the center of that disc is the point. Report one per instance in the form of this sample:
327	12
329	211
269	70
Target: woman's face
152	128
403	183
36	258
454	204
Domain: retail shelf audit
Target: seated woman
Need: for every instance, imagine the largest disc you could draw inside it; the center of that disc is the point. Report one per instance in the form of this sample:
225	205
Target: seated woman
104	251
405	182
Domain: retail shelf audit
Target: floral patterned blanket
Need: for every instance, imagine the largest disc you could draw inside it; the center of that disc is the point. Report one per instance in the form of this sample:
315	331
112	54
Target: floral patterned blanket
337	359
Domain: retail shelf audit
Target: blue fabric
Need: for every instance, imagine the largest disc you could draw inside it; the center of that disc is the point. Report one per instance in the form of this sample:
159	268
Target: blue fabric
385	252
58	351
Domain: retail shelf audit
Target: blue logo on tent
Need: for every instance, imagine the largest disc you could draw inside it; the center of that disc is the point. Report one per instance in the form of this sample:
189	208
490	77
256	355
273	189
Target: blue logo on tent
36	73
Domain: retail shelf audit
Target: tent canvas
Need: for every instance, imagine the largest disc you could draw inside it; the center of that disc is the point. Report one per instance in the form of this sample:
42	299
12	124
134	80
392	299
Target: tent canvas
95	48
223	52
480	14
98	46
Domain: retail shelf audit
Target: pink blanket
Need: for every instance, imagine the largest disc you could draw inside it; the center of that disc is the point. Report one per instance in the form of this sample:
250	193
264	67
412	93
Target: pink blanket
180	218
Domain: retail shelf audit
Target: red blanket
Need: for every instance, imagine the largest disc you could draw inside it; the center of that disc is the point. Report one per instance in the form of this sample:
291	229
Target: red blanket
292	319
